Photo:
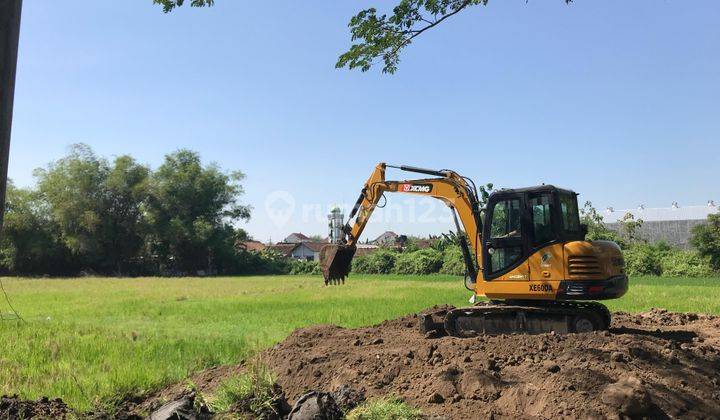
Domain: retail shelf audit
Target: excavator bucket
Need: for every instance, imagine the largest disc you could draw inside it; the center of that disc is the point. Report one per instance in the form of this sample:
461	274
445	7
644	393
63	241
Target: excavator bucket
335	262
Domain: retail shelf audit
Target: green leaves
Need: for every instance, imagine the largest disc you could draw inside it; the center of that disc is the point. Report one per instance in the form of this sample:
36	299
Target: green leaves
382	37
119	216
169	5
706	238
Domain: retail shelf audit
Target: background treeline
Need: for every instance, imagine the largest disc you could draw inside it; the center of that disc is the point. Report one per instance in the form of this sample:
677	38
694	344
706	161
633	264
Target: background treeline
88	214
659	259
119	217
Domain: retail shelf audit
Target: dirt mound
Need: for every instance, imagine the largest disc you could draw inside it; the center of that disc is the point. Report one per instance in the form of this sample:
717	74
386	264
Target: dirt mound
16	408
654	364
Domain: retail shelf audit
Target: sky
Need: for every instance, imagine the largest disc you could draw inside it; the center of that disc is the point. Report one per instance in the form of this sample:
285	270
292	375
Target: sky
617	100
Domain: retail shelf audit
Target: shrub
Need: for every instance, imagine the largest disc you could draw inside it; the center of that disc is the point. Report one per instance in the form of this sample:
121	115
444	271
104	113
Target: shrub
662	259
679	263
381	261
264	262
643	260
453	261
361	264
384	408
424	261
706	238
304	267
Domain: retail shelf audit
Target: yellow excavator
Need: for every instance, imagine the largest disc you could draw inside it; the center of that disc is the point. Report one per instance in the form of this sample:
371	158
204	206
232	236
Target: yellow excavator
524	250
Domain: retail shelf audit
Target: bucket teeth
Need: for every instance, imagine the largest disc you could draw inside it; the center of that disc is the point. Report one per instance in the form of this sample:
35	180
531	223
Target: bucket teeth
335	261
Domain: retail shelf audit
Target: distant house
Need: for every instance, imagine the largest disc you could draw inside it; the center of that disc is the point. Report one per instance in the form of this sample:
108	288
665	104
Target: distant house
253	246
386	239
308	251
365	249
283	249
296	238
672	224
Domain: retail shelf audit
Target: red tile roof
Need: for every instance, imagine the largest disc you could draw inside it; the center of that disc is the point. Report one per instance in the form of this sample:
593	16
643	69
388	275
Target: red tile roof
252	245
283	248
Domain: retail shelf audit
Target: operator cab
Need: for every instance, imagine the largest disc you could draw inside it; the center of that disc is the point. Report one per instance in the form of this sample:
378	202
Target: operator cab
520	221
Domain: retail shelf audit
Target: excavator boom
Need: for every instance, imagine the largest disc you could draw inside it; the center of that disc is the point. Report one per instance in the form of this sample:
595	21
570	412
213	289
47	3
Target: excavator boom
454	190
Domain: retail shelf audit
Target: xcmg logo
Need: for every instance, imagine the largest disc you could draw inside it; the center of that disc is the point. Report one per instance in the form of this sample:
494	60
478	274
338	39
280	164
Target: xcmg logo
416	188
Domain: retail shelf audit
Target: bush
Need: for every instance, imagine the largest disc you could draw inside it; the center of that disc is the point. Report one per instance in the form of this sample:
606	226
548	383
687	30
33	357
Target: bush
706	238
264	262
381	261
453	263
643	260
304	267
679	263
424	261
360	264
663	260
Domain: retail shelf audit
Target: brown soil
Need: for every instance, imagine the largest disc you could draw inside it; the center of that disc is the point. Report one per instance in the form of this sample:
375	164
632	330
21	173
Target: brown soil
16	408
654	364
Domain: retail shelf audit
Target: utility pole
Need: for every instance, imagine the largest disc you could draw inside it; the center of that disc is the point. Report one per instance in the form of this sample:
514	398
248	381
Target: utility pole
9	37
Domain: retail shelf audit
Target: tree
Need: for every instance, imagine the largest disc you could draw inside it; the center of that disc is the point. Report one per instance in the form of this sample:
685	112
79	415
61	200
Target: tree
72	187
97	207
630	227
169	5
126	188
30	238
597	230
191	210
706	239
382	37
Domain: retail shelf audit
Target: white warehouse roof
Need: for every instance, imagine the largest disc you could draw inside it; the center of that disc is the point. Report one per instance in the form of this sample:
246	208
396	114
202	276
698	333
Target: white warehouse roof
674	212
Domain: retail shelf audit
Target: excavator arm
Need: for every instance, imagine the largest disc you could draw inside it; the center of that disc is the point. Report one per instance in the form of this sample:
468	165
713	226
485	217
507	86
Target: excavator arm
456	191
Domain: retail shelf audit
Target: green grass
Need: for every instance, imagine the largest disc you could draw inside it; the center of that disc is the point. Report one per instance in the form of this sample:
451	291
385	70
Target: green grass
384	409
252	392
87	340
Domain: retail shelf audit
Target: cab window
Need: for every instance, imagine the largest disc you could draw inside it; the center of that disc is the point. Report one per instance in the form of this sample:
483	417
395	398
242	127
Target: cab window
569	213
541	213
505	219
505	235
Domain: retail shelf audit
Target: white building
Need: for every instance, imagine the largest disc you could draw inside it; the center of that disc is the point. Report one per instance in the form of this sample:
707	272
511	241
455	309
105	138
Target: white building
672	224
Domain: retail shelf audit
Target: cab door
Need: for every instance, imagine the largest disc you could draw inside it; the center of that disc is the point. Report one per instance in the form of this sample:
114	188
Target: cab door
546	249
504	247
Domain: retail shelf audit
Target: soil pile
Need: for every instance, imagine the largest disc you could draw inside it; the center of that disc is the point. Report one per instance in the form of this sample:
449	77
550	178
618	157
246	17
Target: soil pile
655	364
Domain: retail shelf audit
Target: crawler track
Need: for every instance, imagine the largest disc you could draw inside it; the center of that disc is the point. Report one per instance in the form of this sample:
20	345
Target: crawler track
494	318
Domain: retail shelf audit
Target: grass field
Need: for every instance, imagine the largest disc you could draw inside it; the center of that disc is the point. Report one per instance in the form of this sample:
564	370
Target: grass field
90	340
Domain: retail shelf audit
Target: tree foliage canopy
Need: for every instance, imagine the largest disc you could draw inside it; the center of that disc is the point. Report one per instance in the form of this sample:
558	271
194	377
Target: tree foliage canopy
380	37
169	5
706	238
120	217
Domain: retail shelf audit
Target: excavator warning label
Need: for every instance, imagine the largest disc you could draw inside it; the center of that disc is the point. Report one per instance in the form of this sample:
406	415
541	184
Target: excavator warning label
417	188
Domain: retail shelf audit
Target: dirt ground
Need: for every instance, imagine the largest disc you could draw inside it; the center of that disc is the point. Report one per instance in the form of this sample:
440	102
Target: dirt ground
654	365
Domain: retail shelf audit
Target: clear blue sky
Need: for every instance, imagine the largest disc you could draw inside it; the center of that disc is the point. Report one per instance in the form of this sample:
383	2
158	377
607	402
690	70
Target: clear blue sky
617	100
